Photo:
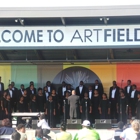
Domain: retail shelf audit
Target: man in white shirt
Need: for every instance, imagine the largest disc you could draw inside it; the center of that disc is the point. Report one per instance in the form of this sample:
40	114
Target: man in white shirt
128	89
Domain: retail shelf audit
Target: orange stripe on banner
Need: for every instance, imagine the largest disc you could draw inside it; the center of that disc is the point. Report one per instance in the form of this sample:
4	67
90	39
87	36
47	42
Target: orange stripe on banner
128	72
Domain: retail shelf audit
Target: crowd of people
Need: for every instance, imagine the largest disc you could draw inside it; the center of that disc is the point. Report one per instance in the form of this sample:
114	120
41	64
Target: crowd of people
86	103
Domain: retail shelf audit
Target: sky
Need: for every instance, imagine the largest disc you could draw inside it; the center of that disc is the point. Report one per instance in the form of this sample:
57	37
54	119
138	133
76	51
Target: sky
65	3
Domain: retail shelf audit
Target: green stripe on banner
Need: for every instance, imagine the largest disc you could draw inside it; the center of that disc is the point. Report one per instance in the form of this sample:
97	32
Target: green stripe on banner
23	74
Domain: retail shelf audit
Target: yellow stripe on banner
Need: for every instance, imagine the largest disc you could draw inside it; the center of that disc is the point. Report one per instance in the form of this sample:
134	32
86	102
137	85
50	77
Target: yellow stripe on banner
106	73
68	65
5	73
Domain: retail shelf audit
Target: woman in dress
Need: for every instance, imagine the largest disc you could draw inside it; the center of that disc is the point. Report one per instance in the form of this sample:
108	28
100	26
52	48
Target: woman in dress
26	101
104	107
33	104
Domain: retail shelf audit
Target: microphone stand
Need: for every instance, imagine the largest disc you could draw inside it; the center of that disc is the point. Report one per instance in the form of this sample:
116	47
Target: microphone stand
86	110
64	111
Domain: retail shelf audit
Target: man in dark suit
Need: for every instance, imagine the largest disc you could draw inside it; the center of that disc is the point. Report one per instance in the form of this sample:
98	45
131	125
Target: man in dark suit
80	90
49	86
31	91
113	98
133	100
1	88
128	89
28	88
15	90
69	89
90	92
20	92
12	96
74	102
98	86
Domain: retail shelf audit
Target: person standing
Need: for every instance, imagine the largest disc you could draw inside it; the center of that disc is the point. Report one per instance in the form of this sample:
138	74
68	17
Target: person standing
113	98
138	107
86	133
95	105
33	104
50	111
26	100
104	107
80	90
1	88
90	92
122	107
86	108
98	86
128	89
133	100
20	92
74	102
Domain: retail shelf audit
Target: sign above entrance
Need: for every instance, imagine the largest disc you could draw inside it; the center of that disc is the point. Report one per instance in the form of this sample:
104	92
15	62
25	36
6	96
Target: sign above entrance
69	37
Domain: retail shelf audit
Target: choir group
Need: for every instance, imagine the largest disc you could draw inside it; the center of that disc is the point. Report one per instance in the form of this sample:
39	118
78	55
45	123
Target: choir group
93	104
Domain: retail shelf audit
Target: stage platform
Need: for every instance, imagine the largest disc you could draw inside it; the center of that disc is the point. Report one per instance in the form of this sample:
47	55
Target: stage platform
105	134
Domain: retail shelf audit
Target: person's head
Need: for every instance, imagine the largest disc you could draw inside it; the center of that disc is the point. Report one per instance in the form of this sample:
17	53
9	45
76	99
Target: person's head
45	89
21	128
25	92
63	84
10	86
16	136
4	94
95	92
67	94
22	86
69	86
132	119
114	83
73	92
81	83
13	84
42	116
50	98
120	125
86	124
31	83
136	125
33	97
134	87
53	92
122	94
48	83
96	82
104	96
90	88
32	87
85	94
63	127
39	90
128	82
21	98
39	133
6	123
7	97
121	90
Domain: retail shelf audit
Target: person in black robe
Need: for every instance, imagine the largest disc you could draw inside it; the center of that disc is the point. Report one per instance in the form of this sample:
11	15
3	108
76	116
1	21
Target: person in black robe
26	101
8	107
2	100
95	105
66	107
21	105
122	106
46	93
33	104
138	107
20	108
86	108
104	107
57	106
50	111
40	99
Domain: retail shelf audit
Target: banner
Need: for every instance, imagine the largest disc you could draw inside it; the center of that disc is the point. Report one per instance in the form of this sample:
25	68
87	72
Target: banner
69	37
